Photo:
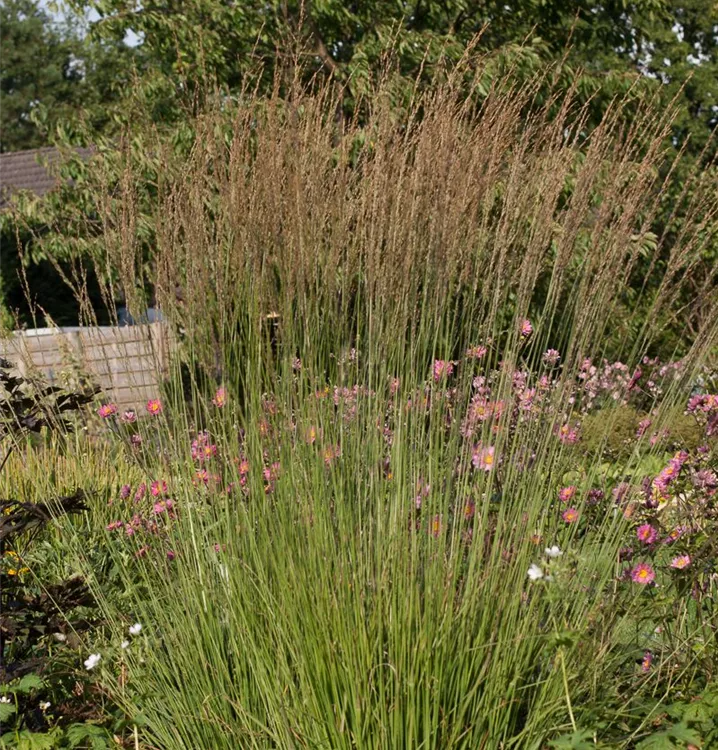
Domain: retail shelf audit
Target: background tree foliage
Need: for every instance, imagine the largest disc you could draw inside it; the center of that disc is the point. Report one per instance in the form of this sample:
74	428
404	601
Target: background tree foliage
138	104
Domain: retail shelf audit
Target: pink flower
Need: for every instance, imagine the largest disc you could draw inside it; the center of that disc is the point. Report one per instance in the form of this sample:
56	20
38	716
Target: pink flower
526	329
154	406
442	369
171	554
647	661
705	479
551	357
209	450
566	493
484	459
643	574
202	475
330	453
680	562
436	526
643	425
423	491
220	398
129	416
675	534
158	488
570	515
476	352
698	403
136	440
646	533
568	434
140	492
107	410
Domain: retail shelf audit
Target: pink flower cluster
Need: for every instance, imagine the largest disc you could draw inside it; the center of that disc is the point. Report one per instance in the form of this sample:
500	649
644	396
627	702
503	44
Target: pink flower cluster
442	369
202	448
669	473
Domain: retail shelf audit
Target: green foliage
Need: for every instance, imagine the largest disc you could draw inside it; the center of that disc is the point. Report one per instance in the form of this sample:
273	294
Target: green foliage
676	736
30	618
37	69
50	74
578	740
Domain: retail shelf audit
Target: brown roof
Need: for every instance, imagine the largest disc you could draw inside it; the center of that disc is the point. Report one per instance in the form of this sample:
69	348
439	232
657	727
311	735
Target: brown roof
27	170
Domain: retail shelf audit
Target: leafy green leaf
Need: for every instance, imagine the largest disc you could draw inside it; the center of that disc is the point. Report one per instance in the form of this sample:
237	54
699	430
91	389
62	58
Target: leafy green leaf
6	711
78	733
29	683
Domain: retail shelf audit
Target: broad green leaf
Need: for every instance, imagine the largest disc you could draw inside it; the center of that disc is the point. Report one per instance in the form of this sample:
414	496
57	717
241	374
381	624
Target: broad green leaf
28	683
6	711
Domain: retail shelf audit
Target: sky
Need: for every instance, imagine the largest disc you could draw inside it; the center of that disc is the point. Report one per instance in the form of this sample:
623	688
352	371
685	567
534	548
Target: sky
60	12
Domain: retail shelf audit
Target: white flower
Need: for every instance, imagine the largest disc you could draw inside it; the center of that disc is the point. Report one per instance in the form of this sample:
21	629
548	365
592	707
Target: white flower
92	661
553	551
60	637
4	699
124	644
44	705
135	629
535	573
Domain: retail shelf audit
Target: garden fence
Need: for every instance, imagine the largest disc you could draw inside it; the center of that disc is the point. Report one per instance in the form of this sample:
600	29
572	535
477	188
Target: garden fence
127	362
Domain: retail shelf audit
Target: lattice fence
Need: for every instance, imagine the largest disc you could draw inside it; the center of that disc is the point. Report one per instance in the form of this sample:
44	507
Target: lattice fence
127	362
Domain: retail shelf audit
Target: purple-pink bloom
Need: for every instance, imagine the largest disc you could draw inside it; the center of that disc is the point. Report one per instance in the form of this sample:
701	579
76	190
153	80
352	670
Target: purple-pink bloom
551	357
646	533
154	406
436	526
140	493
680	562
107	410
643	573
647	661
484	458
158	488
705	479
476	352
442	369
566	493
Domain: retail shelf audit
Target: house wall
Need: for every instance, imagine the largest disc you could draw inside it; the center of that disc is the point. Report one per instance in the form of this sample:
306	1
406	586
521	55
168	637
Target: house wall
127	362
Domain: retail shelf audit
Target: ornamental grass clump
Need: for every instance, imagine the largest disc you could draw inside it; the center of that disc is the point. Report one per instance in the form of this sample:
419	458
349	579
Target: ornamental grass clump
374	522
